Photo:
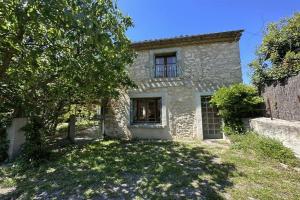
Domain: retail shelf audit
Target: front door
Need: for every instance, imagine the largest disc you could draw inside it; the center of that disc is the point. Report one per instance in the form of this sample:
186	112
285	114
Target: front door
211	122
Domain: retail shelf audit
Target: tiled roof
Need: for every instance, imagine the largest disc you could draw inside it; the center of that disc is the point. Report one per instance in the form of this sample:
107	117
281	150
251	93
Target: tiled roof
185	40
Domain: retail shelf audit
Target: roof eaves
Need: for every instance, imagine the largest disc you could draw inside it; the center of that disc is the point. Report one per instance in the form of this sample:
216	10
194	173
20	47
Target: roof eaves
228	36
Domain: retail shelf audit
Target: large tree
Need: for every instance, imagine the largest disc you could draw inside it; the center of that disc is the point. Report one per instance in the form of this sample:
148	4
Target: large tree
278	57
54	53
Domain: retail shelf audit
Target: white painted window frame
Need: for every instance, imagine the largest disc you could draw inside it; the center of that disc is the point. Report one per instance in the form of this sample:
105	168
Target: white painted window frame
153	54
163	122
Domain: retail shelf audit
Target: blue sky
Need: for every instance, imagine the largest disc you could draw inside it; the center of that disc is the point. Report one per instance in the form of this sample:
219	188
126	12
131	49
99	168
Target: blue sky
168	18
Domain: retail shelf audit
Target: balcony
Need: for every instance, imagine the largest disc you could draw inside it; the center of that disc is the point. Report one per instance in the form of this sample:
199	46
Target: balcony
167	71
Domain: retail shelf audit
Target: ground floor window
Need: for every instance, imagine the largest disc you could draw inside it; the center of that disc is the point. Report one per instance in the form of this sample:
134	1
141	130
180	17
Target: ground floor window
146	110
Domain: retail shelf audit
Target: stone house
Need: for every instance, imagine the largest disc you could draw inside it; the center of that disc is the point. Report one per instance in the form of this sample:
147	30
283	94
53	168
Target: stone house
176	78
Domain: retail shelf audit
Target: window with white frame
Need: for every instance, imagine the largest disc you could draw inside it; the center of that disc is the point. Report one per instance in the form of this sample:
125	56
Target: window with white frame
146	110
165	65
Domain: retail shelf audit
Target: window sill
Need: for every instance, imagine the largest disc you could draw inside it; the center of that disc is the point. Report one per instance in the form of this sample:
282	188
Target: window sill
146	126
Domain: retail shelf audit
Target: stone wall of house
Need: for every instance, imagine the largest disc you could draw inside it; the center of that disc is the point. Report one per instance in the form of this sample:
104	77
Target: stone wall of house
284	99
179	118
217	62
204	68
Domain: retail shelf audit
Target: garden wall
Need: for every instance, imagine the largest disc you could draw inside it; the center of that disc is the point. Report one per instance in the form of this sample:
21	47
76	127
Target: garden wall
16	136
285	131
284	99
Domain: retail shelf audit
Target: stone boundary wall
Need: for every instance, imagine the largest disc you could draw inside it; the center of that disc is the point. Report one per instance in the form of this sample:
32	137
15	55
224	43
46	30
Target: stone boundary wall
285	131
284	99
16	137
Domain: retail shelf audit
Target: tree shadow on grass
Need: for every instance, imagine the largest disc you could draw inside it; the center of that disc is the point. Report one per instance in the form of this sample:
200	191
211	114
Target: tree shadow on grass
127	170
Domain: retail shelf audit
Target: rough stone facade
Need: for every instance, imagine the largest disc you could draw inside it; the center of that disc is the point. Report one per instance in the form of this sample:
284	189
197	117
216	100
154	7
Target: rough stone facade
284	99
203	69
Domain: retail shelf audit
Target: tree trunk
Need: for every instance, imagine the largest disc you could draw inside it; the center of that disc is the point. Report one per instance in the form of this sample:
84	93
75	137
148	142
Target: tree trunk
72	128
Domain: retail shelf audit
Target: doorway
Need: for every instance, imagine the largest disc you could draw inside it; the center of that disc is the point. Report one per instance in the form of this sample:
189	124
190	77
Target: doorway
211	122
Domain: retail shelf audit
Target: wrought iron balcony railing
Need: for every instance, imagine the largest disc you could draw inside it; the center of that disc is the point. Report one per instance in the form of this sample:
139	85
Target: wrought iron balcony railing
167	71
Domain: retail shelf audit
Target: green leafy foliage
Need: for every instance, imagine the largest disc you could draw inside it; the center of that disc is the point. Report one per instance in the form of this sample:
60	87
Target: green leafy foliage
87	111
264	147
3	145
34	150
278	57
5	117
235	102
57	53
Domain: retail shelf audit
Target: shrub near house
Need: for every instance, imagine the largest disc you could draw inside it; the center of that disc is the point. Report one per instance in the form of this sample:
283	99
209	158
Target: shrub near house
234	103
242	101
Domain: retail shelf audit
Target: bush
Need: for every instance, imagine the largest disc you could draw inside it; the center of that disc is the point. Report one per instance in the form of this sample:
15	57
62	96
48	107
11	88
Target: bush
5	120
234	103
34	148
3	145
264	147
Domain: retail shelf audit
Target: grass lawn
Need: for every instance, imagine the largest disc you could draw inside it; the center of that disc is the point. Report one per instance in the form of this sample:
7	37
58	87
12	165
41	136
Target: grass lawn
152	170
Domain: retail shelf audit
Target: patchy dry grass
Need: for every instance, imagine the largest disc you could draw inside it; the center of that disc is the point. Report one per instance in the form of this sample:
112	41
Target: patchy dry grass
260	178
152	170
